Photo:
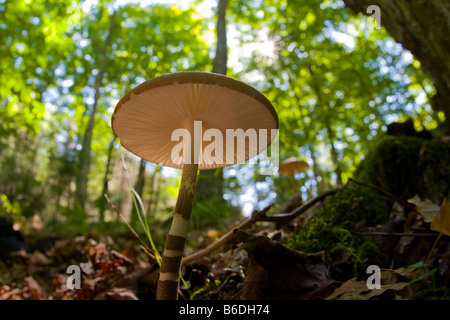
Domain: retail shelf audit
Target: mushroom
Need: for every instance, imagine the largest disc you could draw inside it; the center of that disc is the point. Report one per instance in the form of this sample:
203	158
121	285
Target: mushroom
291	166
199	109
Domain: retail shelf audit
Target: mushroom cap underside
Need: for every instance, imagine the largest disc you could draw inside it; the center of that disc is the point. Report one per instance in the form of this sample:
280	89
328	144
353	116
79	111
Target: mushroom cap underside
226	120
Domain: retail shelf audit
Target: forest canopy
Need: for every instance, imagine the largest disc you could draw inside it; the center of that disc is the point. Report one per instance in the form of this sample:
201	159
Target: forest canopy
361	119
336	80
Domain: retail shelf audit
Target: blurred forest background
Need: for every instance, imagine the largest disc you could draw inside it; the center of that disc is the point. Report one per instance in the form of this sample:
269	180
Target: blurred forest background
336	78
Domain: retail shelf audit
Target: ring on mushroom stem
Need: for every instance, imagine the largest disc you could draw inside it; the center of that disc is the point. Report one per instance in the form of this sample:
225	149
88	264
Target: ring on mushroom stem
145	118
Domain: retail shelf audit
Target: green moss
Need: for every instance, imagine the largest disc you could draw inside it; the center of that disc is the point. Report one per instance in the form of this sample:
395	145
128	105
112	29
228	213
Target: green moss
355	203
427	287
329	230
347	254
403	166
317	234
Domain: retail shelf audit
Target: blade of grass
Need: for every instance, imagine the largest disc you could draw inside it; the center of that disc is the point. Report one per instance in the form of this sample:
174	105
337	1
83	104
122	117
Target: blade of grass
144	222
139	208
144	245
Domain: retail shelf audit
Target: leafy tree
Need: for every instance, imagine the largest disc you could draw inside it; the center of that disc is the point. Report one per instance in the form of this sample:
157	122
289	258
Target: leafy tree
334	81
210	182
149	49
33	46
60	80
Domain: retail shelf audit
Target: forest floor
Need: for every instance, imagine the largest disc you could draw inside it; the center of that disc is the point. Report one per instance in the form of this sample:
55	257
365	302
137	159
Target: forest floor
340	245
253	264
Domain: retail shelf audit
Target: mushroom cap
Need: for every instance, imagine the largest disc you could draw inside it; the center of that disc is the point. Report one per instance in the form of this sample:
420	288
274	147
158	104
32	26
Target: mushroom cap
291	166
147	116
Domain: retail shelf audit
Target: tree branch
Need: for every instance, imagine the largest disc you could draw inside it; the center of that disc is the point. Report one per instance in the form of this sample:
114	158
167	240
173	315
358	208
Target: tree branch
255	217
291	215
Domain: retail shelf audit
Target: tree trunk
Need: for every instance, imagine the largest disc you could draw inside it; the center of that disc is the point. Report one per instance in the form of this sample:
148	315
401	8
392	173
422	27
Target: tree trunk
320	185
423	27
334	154
139	188
152	202
331	136
210	182
102	199
84	159
220	60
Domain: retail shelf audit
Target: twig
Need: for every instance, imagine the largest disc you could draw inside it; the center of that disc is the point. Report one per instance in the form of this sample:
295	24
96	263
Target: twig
432	248
215	292
301	209
396	234
258	216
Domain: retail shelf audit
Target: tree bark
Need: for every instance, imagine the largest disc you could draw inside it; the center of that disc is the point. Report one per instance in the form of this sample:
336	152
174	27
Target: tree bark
210	182
221	58
423	27
102	199
152	204
84	158
139	188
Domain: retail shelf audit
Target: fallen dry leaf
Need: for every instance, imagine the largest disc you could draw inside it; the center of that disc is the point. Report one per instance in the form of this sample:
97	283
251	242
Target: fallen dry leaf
117	294
87	267
7	293
427	209
394	286
276	272
231	261
441	222
36	293
91	283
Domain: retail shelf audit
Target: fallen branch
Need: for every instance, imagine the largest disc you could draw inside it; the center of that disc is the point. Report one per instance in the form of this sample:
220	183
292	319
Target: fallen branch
255	217
293	214
396	234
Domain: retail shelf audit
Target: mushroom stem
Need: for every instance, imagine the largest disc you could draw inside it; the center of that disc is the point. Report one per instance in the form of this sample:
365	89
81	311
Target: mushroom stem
173	249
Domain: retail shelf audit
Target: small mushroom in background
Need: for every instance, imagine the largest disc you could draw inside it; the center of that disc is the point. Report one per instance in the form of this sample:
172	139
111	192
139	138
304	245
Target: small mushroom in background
291	166
199	108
